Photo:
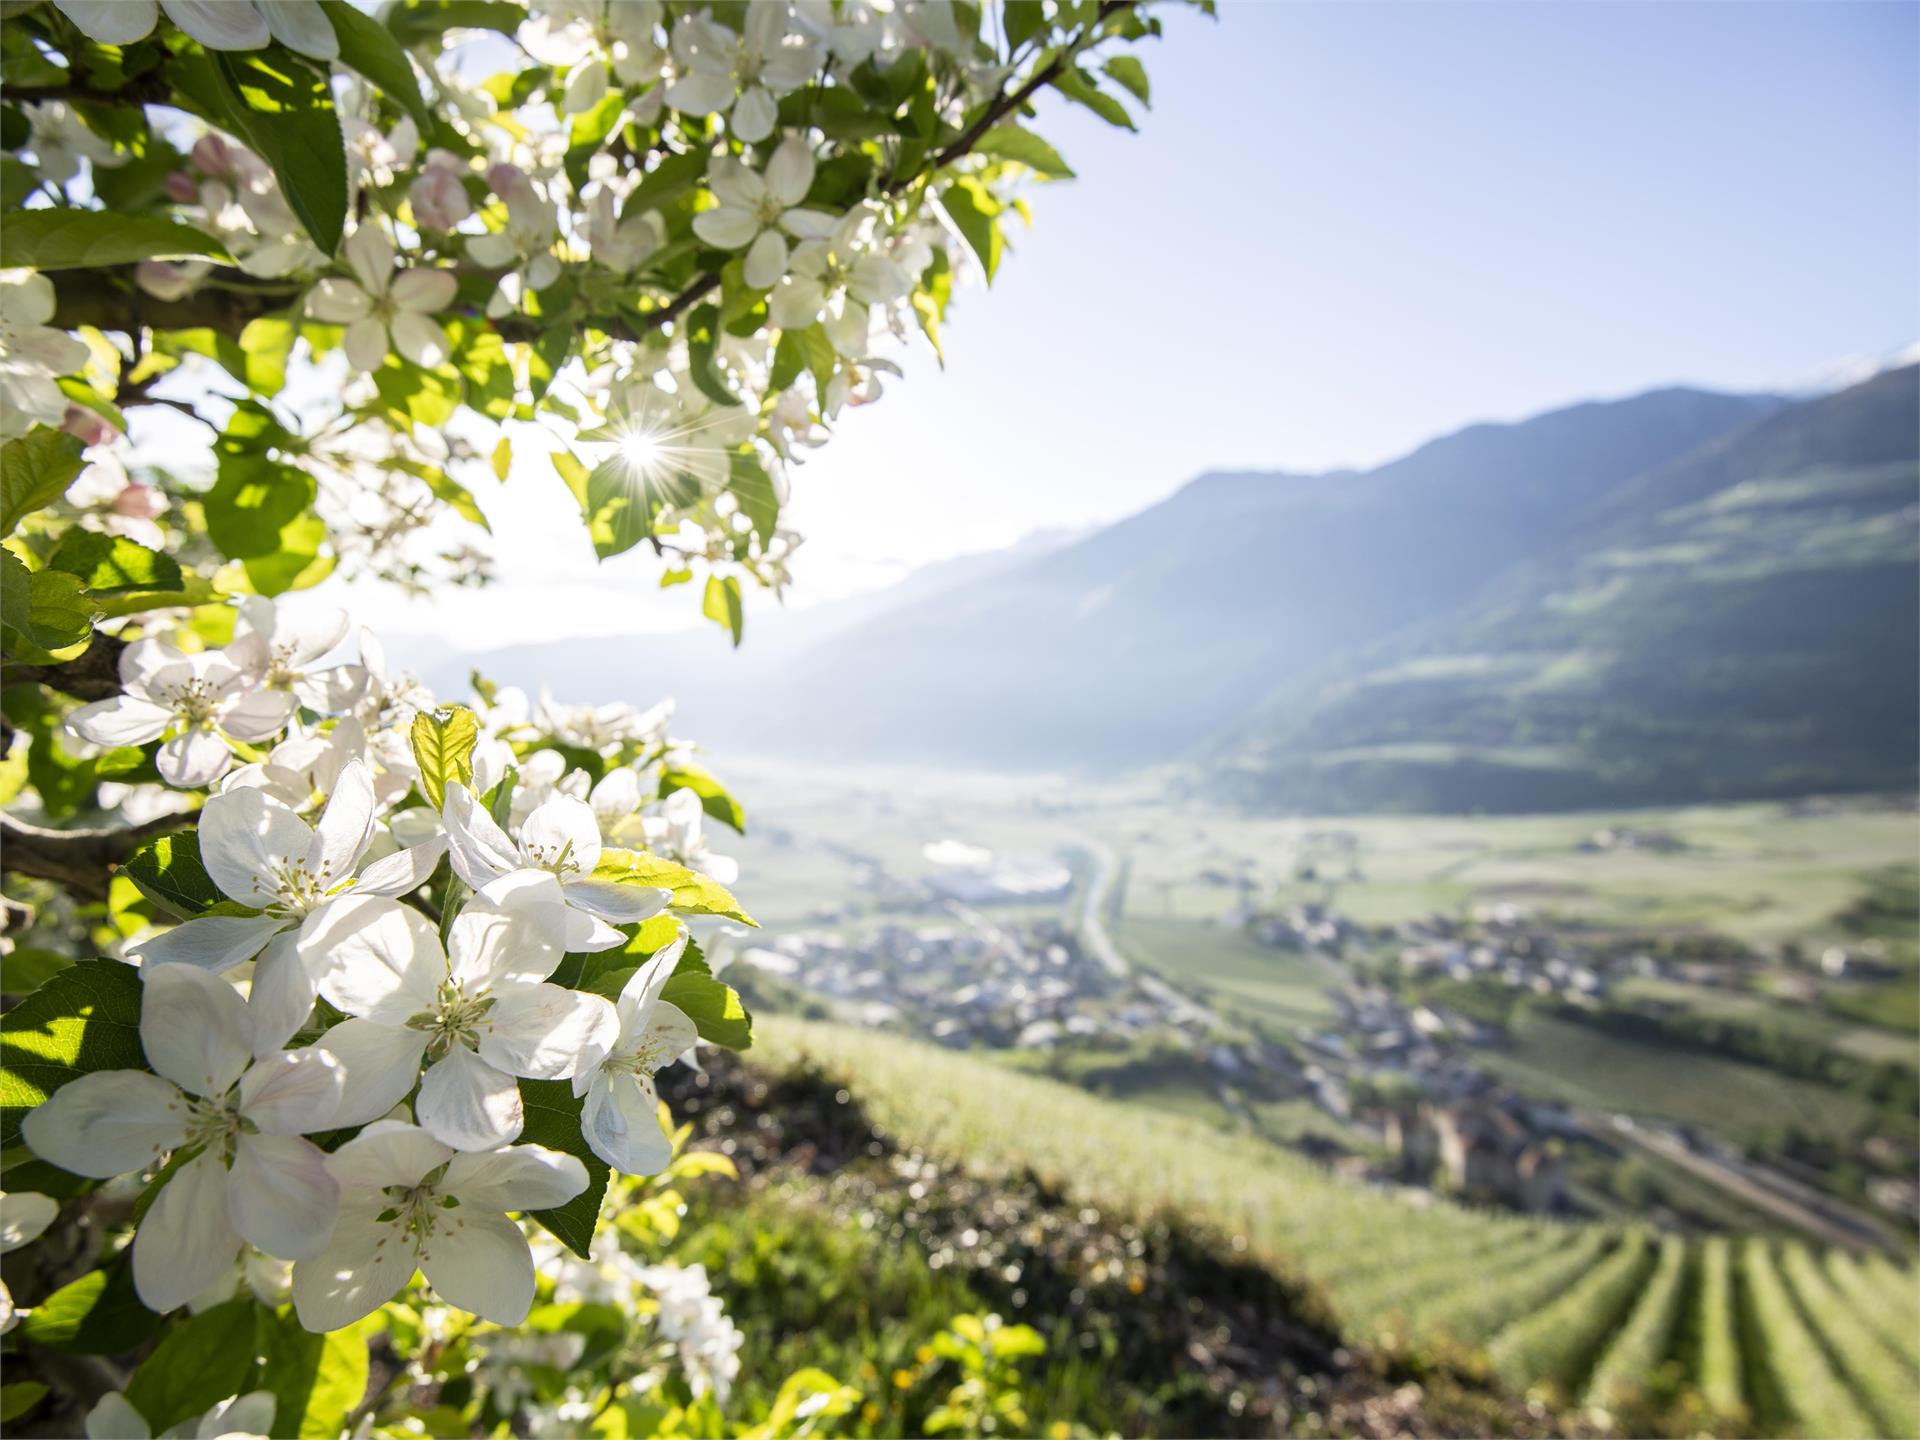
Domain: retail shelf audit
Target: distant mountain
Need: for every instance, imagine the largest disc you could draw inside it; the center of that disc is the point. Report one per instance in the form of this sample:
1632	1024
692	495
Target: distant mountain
1741	621
1142	641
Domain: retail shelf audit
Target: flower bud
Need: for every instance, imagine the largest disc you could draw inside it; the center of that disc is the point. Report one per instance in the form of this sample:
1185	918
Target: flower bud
181	187
90	426
439	200
213	156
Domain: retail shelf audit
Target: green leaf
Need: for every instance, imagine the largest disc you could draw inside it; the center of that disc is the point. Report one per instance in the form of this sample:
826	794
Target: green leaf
193	591
502	459
370	47
266	343
456	495
420	22
24	969
703	339
35	471
18	1398
714	798
690	892
723	606
753	488
252	502
113	564
974	214
588	131
84	1019
199	1364
1010	142
169	873
1023	19
714	1007
297	563
285	108
443	745
1079	87
98	1314
671	178
553	1120
1131	75
316	1380
46	608
65	239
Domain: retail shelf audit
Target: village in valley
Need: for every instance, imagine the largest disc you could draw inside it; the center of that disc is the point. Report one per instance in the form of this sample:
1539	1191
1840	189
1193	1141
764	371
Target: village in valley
1409	1069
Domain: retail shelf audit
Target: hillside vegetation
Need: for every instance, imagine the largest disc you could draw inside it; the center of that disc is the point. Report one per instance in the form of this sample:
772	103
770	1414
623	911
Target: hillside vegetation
1745	1336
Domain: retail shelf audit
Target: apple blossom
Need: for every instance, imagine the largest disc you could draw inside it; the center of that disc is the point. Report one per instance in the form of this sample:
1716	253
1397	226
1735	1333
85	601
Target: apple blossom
202	700
244	1417
407	1201
755	209
24	1218
249	1176
479	1011
621	1116
32	354
773	56
383	308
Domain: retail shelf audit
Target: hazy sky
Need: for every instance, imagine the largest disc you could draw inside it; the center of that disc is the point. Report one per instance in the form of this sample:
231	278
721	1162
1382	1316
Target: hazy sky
1343	229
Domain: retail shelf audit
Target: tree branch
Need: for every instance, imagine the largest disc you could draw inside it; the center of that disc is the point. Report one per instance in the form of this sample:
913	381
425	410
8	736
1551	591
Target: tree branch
1004	106
93	674
82	861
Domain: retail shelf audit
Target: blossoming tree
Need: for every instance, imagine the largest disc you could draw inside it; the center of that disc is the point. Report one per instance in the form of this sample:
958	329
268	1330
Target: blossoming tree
331	1005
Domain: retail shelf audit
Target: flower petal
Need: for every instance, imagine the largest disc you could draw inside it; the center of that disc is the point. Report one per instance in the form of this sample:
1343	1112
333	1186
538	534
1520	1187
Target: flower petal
402	872
194	1028
338	301
123	720
213	942
219	24
621	1124
766	260
381	1064
540	1031
193	759
366	1263
790	171
383	958
726	228
617	903
246	839
561	835
303	26
387	1152
282	994
479	849
480	1262
753	115
114	1418
425	291
519	1177
280	1197
185	1243
466	1103
420	339
366	343
108	1123
24	1218
111	22
257	714
293	1094
346	825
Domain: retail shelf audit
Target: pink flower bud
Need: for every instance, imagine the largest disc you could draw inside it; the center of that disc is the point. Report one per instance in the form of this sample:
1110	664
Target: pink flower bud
504	177
213	156
439	200
164	280
181	187
91	427
139	501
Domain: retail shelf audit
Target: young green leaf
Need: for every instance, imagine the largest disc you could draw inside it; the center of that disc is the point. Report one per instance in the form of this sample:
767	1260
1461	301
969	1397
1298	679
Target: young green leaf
35	471
204	1361
86	1018
443	746
723	606
169	873
553	1120
67	239
691	892
113	564
1010	142
285	108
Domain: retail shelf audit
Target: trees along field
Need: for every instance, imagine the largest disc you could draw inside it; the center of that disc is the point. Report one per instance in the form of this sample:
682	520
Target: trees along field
317	979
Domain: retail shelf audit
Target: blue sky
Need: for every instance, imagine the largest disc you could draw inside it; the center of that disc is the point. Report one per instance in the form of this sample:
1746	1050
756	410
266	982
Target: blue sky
1346	228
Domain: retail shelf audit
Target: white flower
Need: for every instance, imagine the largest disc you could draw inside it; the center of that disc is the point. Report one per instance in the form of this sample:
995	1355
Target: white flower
562	838
679	830
821	272
120	504
385	309
526	245
691	1316
621	1117
619	244
202	698
247	1417
264	856
381	154
279	649
755	209
772	57
253	1177
61	140
33	355
479	1011
24	1218
217	24
408	1201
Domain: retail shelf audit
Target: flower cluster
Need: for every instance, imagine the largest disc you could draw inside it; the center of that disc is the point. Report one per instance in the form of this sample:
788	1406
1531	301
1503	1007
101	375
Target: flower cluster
684	238
406	911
